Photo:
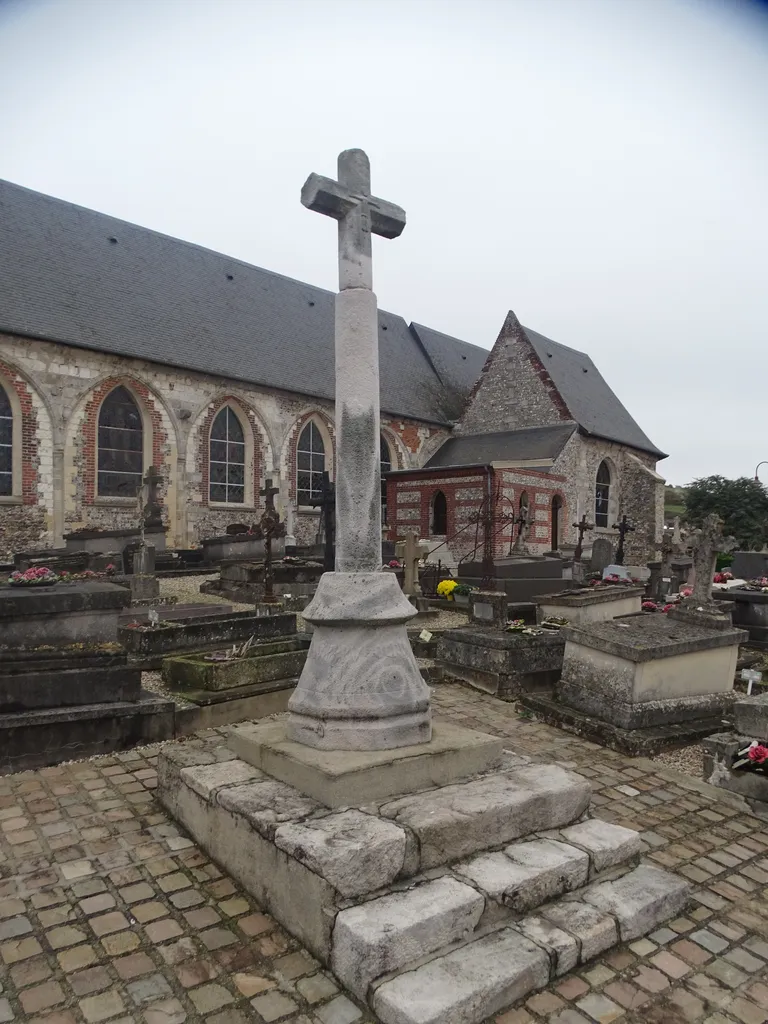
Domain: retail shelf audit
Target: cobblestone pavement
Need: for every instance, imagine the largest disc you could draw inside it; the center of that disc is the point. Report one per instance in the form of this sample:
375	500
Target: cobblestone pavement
109	913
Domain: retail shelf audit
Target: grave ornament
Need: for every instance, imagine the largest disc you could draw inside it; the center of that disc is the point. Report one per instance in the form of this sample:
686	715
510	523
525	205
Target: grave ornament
624	527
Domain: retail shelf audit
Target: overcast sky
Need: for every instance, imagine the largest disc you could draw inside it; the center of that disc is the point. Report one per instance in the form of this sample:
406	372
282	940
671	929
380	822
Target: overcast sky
599	166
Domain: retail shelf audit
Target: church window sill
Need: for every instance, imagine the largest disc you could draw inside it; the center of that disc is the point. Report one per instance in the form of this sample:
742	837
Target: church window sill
11	499
114	501
232	506
308	510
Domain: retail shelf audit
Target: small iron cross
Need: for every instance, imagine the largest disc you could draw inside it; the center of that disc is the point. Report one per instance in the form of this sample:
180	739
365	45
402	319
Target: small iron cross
269	522
349	201
582	526
624	528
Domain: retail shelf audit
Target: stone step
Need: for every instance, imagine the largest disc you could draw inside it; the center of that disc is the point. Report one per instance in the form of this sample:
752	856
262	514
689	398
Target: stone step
380	936
457	821
476	980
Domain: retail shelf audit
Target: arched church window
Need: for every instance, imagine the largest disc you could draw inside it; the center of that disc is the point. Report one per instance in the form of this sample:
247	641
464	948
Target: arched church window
385	458
6	444
226	467
310	464
439	515
121	445
602	494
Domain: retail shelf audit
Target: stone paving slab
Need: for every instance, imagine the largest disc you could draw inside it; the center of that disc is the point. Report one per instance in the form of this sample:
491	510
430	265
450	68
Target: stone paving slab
108	912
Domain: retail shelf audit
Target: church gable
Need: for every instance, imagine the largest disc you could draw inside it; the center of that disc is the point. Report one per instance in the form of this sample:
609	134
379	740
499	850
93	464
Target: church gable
529	380
514	389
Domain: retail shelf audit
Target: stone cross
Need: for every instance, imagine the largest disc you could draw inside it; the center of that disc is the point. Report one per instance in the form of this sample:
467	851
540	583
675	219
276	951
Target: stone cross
360	688
706	543
152	513
411	551
582	526
358	472
624	528
270	524
523	525
327	505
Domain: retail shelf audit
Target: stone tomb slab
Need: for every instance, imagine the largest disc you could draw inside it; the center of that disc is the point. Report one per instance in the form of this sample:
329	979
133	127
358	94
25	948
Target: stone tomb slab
649	669
64	613
750	717
502	663
339	778
643	681
593	604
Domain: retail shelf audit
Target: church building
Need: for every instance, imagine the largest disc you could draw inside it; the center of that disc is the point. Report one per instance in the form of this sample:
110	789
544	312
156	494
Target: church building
122	348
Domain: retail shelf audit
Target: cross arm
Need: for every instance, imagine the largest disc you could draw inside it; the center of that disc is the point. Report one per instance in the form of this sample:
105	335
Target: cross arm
324	195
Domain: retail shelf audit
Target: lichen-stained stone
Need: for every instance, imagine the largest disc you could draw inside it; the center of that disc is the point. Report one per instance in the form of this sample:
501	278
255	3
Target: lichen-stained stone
556	868
640	900
206	779
457	821
595	931
355	852
527	874
562	947
382	935
267	804
606	844
467	985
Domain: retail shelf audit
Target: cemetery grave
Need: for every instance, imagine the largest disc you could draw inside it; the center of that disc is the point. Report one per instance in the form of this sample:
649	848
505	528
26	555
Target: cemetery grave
641	682
67	688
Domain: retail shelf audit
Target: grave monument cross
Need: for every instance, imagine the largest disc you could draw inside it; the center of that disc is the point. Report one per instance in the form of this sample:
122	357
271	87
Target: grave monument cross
360	688
706	543
269	523
624	528
582	527
523	525
152	514
411	551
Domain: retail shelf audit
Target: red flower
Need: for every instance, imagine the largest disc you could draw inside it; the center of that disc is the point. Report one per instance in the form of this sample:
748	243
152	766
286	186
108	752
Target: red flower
758	754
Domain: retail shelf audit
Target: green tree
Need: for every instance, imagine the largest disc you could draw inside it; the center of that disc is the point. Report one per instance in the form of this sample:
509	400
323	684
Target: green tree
742	505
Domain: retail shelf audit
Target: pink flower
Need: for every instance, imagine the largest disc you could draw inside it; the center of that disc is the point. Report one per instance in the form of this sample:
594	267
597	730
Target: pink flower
758	754
649	606
686	591
667	607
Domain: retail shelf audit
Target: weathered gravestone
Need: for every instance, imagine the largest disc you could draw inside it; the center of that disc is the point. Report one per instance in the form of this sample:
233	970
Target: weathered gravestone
602	554
284	816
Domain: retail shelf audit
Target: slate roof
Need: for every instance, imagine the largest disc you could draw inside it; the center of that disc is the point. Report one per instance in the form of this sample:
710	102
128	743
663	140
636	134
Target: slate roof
588	397
79	277
149	296
528	444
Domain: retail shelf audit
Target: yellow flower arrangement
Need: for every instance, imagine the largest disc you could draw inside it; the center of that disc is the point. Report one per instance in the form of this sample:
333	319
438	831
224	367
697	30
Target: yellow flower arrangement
446	588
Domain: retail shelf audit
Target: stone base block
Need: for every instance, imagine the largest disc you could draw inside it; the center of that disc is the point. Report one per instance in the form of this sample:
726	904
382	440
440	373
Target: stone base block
503	664
719	752
385	895
35	739
634	742
352	777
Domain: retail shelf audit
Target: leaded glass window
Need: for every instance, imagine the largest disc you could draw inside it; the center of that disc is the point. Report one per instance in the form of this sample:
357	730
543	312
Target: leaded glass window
602	494
121	446
6	444
310	465
227	459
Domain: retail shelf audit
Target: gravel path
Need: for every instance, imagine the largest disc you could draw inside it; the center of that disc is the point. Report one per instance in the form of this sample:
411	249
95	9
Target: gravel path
686	759
186	590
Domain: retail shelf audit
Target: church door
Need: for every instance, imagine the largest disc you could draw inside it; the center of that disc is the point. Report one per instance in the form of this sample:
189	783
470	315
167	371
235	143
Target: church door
557	504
